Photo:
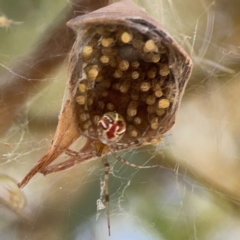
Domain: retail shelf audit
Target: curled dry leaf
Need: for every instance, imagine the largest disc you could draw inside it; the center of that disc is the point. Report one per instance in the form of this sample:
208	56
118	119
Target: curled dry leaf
122	61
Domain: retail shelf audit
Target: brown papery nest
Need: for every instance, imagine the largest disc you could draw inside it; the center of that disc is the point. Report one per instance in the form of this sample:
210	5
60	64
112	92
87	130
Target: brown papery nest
122	61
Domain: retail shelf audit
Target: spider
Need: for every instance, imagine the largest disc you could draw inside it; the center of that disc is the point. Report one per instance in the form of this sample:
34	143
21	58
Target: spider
6	22
111	128
127	77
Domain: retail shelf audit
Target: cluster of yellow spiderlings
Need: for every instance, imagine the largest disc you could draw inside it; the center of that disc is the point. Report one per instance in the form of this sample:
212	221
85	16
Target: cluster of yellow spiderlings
127	72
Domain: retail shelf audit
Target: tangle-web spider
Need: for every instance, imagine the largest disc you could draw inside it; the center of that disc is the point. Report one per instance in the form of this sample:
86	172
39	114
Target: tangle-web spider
111	128
126	80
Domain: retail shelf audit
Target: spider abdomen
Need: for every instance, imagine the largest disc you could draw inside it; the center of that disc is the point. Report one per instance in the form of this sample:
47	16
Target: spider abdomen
111	127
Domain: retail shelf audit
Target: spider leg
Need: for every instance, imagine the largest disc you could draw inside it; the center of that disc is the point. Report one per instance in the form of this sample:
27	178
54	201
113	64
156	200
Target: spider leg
76	158
73	161
106	177
70	152
128	163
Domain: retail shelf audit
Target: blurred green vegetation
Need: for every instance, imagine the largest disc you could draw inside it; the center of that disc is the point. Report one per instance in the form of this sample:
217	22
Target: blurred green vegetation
33	16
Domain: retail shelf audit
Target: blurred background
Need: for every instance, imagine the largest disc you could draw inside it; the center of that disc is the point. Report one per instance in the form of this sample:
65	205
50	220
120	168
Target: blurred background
195	192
